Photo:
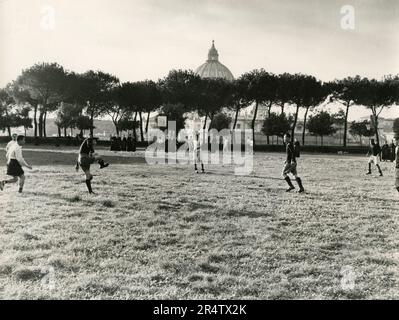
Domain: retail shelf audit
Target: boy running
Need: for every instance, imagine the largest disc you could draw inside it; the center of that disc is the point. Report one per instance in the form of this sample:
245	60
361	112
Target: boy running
15	162
374	153
12	142
290	165
87	156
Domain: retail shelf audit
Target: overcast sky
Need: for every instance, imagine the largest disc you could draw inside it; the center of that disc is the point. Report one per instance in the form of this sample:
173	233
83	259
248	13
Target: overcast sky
144	39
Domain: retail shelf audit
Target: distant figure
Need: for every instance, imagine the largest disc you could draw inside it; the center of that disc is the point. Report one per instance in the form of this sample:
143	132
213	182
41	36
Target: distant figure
118	143
87	156
374	154
297	148
250	143
68	140
12	142
197	154
15	162
385	152
129	143
393	151
290	165
124	143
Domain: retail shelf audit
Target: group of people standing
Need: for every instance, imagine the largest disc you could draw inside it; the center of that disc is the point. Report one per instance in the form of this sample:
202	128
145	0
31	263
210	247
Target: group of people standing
123	144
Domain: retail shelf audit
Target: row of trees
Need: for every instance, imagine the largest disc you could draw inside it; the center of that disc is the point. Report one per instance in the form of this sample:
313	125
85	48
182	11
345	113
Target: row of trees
78	99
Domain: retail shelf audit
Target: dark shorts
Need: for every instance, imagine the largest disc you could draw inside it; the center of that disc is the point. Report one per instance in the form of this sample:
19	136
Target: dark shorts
397	177
14	169
290	168
86	161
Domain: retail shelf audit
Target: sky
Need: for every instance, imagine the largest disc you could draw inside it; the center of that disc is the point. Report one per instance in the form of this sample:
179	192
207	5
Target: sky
145	39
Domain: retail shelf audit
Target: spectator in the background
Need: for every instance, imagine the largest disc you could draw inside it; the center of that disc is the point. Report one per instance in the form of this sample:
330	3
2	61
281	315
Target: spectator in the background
393	151
124	143
113	143
385	152
129	143
69	140
118	144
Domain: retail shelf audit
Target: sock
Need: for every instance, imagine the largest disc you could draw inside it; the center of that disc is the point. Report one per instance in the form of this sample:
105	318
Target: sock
370	167
289	182
195	167
20	189
299	181
202	167
88	184
379	169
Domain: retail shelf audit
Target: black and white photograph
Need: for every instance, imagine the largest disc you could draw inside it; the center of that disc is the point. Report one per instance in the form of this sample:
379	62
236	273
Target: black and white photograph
199	150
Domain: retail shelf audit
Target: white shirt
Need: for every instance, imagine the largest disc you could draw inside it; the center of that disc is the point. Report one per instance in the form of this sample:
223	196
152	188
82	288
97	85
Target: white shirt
12	142
15	152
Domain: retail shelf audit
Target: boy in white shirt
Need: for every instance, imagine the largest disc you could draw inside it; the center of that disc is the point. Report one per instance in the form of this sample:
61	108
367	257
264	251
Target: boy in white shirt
15	162
12	142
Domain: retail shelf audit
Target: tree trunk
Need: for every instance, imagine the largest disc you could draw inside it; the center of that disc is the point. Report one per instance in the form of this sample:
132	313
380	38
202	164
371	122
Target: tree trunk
134	130
116	126
65	132
9	131
44	124
59	131
253	123
35	120
376	127
141	126
41	124
304	126
346	123
211	119
236	118
268	115
206	117
282	108
147	122
294	124
92	123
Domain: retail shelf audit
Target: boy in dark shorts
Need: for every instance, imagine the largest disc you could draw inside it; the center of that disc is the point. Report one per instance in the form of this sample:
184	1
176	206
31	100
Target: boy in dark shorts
374	153
290	165
15	162
87	157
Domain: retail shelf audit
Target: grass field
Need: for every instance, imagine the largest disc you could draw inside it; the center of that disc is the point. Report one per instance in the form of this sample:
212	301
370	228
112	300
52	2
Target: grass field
162	232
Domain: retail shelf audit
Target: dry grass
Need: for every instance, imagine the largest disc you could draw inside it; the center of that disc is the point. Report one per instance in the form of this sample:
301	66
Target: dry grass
162	232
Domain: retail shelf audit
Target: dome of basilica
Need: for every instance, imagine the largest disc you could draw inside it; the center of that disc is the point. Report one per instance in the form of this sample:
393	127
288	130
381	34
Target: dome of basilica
212	68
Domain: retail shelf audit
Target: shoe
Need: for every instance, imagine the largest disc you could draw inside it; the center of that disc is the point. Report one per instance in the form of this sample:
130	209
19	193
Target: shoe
2	185
196	171
20	190
381	174
104	165
203	171
301	190
289	189
368	173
